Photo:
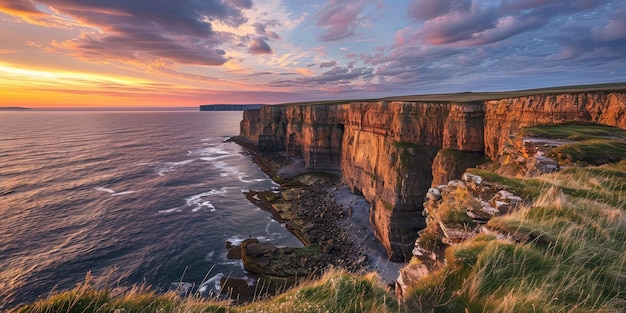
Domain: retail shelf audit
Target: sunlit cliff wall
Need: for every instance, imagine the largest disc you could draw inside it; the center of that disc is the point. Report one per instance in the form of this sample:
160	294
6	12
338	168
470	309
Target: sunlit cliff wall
385	149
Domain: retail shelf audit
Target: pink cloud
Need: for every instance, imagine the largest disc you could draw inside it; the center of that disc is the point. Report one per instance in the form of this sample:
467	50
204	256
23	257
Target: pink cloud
615	29
423	10
339	18
138	32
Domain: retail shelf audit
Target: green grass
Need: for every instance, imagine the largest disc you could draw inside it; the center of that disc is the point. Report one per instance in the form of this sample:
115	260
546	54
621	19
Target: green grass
567	251
525	188
594	144
576	131
336	291
590	152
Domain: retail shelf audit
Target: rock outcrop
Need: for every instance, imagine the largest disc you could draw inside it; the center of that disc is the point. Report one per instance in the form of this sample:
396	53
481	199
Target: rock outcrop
387	149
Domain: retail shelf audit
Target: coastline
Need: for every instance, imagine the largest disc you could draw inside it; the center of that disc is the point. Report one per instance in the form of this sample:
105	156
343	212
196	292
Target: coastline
322	212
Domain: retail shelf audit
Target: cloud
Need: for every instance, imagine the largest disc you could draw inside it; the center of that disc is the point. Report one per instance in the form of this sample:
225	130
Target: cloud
334	77
340	18
179	31
474	23
614	30
19	7
423	10
261	29
526	41
260	46
328	64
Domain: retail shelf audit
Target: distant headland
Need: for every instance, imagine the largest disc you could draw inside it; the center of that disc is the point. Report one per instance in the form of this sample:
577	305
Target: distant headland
13	108
229	107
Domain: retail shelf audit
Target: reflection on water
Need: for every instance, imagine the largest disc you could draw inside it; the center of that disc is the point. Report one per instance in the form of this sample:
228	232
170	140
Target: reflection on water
139	197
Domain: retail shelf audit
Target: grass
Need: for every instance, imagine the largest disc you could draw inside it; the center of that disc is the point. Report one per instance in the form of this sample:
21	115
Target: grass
576	131
593	144
590	152
336	291
567	251
452	210
470	97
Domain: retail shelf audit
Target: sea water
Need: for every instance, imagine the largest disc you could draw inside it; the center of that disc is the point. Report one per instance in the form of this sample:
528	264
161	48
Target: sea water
130	197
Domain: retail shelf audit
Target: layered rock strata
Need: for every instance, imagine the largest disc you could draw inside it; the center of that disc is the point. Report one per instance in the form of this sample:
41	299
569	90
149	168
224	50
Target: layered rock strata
385	149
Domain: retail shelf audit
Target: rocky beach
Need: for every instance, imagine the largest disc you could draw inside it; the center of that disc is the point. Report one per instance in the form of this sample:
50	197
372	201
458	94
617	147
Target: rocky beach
330	221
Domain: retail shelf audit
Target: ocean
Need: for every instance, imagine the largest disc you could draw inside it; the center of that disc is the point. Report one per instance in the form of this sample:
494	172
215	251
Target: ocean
130	197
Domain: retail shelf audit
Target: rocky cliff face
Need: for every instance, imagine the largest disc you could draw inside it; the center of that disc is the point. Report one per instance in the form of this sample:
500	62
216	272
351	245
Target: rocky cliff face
504	117
386	150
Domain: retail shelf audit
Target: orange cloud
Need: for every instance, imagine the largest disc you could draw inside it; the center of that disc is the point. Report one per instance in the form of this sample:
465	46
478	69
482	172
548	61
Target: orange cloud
304	71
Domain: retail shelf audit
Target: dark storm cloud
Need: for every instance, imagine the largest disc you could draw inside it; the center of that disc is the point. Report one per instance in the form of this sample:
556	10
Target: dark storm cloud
176	30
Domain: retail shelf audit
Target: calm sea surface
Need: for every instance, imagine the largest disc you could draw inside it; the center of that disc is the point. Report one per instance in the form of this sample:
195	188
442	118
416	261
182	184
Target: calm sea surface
130	196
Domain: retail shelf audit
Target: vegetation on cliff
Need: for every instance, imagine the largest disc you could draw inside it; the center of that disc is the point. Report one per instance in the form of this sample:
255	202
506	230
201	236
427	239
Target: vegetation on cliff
587	143
564	252
336	291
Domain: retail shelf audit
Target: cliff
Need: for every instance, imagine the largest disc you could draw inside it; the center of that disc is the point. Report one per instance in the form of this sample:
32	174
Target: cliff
386	149
229	107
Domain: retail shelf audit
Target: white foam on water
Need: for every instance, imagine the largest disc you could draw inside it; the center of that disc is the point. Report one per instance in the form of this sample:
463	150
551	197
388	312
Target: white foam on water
213	150
209	255
247	181
174	210
263	239
123	193
236	240
199	201
213	283
112	192
226	169
214	158
272	236
166	167
103	189
249	280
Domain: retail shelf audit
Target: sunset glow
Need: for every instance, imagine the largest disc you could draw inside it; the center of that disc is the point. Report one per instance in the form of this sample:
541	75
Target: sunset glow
72	53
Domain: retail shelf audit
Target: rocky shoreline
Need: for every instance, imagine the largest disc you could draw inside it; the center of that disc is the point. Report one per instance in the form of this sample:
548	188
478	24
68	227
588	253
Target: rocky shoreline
331	222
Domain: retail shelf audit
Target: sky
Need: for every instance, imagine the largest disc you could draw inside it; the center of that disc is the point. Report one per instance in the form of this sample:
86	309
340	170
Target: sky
94	53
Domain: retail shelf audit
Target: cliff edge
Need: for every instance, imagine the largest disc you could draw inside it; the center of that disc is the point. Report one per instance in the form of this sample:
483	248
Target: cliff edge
390	150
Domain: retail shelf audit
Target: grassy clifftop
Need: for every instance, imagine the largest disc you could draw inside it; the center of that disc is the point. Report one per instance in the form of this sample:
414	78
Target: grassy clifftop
565	252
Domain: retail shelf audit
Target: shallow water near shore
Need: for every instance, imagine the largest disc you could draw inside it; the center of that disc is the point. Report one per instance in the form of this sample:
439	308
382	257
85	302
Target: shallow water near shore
132	197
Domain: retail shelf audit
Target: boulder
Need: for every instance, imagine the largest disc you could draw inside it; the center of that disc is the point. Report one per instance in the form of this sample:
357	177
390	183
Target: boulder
505	201
260	249
433	194
472	179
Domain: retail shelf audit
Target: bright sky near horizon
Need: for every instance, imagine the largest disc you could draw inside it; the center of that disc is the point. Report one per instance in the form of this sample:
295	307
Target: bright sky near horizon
82	53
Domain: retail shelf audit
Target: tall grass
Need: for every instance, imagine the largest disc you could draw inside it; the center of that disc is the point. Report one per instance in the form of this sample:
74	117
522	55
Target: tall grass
336	291
566	252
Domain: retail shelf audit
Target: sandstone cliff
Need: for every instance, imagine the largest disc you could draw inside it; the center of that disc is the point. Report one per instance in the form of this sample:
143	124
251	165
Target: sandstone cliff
385	149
